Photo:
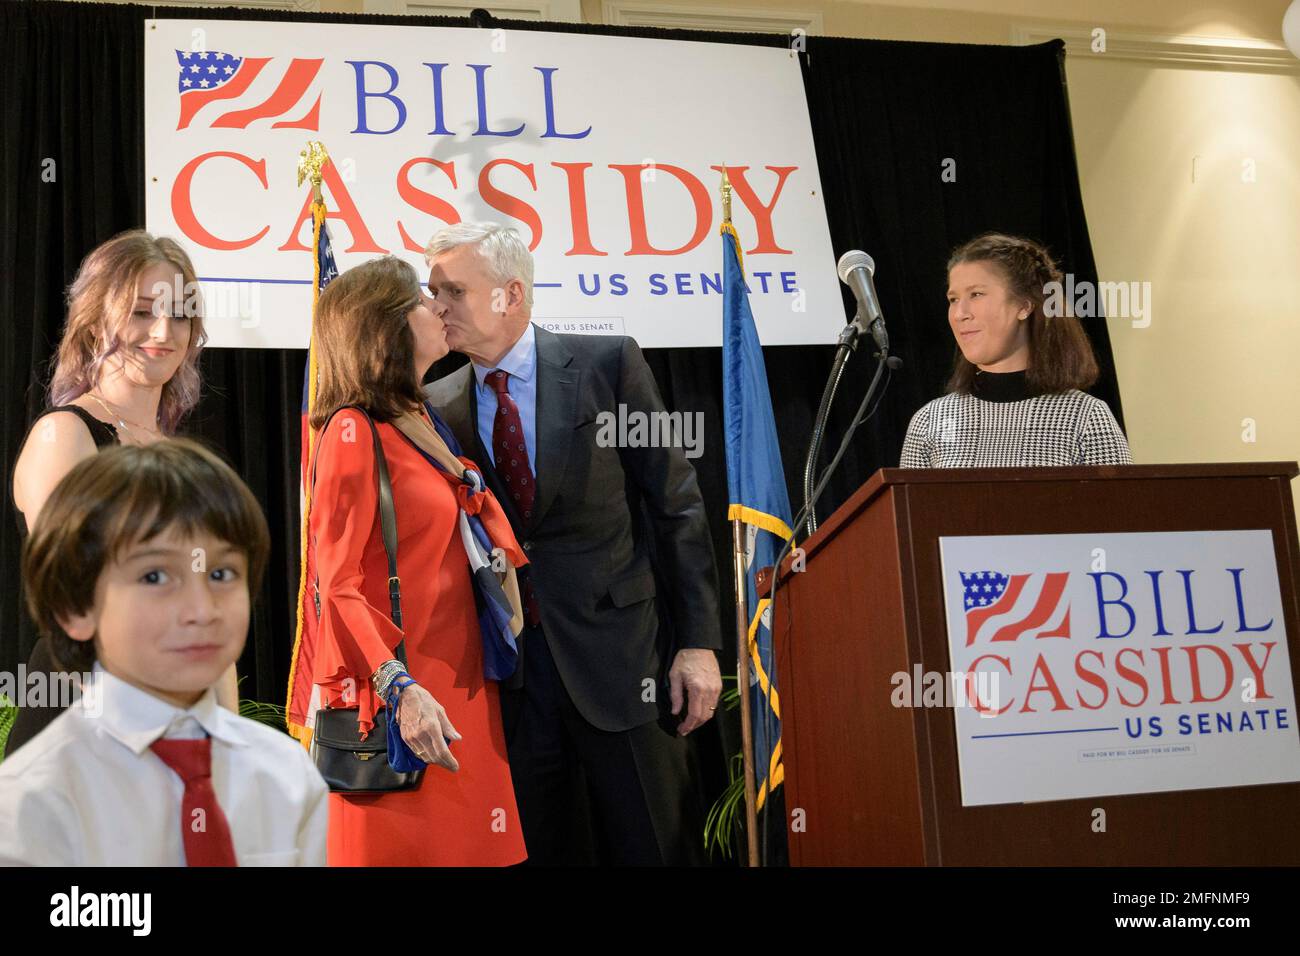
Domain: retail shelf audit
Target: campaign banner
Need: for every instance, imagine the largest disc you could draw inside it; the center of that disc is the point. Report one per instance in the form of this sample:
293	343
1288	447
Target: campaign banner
1104	664
605	152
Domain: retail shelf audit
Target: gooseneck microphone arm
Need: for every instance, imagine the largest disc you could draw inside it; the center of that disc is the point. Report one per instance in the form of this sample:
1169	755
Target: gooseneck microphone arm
848	342
855	270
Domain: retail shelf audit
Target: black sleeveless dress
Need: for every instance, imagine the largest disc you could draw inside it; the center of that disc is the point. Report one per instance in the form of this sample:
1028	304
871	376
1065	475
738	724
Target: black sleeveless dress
30	721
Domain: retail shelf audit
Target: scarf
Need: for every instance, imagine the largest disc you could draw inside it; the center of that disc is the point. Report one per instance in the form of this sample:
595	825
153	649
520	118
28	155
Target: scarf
485	534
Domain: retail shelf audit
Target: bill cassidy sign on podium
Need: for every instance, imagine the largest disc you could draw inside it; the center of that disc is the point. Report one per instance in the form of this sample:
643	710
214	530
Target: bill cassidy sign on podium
1119	663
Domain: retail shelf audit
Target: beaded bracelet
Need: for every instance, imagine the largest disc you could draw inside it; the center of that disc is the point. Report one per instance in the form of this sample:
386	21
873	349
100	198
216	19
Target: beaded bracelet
399	684
384	676
389	678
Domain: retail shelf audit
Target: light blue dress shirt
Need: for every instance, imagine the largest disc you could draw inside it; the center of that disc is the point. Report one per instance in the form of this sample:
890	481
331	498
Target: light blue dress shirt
521	365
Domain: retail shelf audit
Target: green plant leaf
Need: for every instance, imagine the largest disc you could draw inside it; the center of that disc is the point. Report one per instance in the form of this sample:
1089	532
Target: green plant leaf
273	715
725	825
8	714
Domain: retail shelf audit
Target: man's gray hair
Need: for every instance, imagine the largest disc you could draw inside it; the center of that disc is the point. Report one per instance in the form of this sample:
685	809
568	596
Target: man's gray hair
502	250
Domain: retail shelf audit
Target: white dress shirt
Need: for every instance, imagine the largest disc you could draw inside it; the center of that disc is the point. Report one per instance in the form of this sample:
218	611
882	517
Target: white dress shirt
88	791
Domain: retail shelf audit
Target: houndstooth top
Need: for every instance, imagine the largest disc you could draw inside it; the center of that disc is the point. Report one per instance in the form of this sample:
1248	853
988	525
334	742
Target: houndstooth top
997	424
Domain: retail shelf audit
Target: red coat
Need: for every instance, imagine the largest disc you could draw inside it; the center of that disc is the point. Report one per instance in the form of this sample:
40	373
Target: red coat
467	818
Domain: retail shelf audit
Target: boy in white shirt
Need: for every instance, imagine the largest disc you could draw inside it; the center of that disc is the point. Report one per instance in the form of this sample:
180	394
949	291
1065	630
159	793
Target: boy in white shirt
142	565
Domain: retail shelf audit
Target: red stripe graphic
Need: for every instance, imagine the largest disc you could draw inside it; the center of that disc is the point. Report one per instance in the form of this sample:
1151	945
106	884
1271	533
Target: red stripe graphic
291	89
1063	630
1049	599
194	100
977	617
311	120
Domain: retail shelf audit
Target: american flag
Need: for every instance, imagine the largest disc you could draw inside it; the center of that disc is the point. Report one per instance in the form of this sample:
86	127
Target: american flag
205	69
303	695
327	271
1002	607
206	76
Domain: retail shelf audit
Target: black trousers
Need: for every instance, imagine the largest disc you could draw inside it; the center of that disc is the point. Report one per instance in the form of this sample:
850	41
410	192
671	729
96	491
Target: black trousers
589	796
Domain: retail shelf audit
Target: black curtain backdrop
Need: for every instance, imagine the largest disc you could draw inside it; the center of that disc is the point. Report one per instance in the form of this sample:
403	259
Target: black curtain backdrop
885	117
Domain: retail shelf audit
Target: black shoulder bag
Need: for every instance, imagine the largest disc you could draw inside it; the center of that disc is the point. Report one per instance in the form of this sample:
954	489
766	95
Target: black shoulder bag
348	763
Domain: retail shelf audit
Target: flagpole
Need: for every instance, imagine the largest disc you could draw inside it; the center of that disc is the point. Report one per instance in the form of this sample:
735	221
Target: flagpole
310	161
742	685
742	636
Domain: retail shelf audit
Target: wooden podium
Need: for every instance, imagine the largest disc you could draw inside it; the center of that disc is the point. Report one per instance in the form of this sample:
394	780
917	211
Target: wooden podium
880	784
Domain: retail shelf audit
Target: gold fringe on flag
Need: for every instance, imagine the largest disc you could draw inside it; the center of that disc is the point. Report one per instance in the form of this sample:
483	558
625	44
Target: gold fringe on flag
310	162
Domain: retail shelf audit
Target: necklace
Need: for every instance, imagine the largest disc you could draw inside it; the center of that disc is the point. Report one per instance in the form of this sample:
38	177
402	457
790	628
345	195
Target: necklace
129	426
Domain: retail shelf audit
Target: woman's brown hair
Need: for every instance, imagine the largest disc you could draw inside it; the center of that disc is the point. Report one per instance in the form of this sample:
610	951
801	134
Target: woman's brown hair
115	498
100	302
365	350
1060	355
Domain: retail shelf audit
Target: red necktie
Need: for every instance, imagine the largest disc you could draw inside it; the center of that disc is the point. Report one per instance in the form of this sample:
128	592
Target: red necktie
203	824
510	454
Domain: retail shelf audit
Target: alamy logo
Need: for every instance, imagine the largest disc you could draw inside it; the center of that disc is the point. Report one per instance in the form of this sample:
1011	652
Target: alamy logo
640	429
41	689
1094	300
75	908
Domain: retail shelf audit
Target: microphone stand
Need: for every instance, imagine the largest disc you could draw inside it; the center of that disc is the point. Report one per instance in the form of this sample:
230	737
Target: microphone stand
848	343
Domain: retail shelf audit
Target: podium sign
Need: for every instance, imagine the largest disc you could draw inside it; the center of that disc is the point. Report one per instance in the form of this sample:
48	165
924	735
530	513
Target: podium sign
1116	663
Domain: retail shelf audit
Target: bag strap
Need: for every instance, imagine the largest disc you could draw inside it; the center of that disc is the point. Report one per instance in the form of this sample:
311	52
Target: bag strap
387	523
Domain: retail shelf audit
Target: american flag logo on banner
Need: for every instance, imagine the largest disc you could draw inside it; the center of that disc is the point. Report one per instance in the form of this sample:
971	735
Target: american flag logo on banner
1002	607
207	76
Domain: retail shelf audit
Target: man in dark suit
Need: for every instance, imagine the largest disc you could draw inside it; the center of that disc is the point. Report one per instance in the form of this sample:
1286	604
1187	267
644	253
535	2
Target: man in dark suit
589	512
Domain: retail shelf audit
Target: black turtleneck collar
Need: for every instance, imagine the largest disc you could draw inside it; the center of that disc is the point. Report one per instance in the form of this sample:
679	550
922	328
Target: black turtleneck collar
1000	386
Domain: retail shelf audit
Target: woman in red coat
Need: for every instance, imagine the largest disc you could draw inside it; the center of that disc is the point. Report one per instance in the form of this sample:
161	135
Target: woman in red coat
377	333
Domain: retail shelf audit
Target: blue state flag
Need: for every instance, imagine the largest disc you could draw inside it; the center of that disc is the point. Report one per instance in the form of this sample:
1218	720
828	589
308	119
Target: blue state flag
757	496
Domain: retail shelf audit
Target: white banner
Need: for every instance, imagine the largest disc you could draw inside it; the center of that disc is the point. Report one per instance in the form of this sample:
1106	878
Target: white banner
1106	664
604	152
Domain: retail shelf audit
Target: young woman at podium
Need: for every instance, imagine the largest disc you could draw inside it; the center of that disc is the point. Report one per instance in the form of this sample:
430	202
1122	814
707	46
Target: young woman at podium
1014	398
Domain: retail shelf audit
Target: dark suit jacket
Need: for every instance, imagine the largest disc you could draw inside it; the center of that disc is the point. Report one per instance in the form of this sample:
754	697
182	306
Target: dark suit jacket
598	515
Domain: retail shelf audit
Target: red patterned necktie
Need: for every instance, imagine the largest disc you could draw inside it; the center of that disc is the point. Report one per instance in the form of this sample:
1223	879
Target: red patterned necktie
203	823
510	455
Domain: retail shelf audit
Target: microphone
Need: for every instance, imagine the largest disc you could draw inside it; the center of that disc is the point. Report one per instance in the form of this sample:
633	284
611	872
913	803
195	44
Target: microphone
855	270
